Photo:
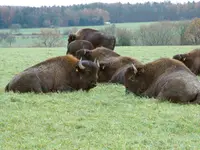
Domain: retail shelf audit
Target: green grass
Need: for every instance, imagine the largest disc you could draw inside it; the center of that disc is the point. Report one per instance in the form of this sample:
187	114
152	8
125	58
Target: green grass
104	118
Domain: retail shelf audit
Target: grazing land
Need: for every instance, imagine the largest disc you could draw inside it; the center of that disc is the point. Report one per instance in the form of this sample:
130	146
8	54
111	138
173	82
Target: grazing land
103	118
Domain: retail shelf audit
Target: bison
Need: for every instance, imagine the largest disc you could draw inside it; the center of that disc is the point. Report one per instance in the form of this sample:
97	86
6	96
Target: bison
191	60
96	37
166	79
99	53
111	69
118	76
58	74
76	45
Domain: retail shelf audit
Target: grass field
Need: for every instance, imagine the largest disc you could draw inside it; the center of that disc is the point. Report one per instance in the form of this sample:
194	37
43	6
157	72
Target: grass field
104	118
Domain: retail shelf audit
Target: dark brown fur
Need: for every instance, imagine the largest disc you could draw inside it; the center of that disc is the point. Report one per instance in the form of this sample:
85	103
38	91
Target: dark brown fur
99	53
96	37
76	45
111	66
56	74
191	60
118	76
164	79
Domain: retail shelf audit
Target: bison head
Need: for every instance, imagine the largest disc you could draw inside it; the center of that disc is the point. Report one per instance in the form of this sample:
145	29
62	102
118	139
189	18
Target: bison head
85	54
71	38
86	75
180	57
186	59
135	80
106	71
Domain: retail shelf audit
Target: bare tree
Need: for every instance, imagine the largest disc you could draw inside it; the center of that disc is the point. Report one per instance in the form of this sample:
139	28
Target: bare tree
10	39
15	28
124	37
162	33
50	37
110	29
181	29
192	33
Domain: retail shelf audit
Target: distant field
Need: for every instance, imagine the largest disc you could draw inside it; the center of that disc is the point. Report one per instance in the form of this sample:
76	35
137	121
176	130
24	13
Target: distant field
121	25
104	118
27	40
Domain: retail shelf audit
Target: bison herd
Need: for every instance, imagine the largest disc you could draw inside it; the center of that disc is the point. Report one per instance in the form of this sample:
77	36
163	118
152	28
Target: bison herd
90	59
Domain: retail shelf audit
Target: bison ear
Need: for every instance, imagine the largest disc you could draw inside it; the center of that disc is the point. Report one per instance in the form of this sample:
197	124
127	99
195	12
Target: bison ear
183	57
71	38
102	66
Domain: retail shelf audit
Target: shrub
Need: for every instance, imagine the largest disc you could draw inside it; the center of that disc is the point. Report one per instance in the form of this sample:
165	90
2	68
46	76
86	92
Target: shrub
124	37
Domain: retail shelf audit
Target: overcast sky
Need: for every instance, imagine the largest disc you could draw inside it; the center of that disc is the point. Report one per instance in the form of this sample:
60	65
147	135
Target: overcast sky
71	2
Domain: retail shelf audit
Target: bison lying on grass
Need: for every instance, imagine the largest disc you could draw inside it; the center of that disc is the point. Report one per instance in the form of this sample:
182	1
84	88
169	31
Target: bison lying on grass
96	37
191	60
112	66
164	79
64	73
99	53
76	45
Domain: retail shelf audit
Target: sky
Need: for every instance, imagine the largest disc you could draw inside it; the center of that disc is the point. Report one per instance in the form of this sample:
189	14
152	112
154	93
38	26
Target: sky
39	3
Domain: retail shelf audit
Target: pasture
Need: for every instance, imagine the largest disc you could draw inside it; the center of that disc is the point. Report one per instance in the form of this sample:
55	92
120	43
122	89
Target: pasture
104	118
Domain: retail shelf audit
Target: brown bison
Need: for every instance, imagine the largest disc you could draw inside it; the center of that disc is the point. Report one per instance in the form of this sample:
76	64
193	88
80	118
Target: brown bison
99	53
63	73
191	60
118	76
112	66
96	37
76	45
164	78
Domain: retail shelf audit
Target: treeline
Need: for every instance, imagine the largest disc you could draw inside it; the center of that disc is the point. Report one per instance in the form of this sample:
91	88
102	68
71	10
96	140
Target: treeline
96	14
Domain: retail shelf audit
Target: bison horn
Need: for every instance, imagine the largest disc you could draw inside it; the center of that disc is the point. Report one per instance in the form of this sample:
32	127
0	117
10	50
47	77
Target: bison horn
96	62
85	51
80	65
135	69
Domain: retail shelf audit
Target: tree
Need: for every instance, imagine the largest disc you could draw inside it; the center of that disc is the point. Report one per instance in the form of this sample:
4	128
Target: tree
110	29
181	29
124	37
10	39
163	33
50	37
192	33
15	28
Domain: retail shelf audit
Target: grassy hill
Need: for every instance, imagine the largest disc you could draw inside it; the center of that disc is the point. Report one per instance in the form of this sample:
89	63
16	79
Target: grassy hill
103	118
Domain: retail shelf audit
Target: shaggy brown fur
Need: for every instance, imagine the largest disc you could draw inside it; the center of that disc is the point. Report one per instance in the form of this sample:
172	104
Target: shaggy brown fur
63	73
96	37
76	45
191	60
99	53
164	79
118	76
